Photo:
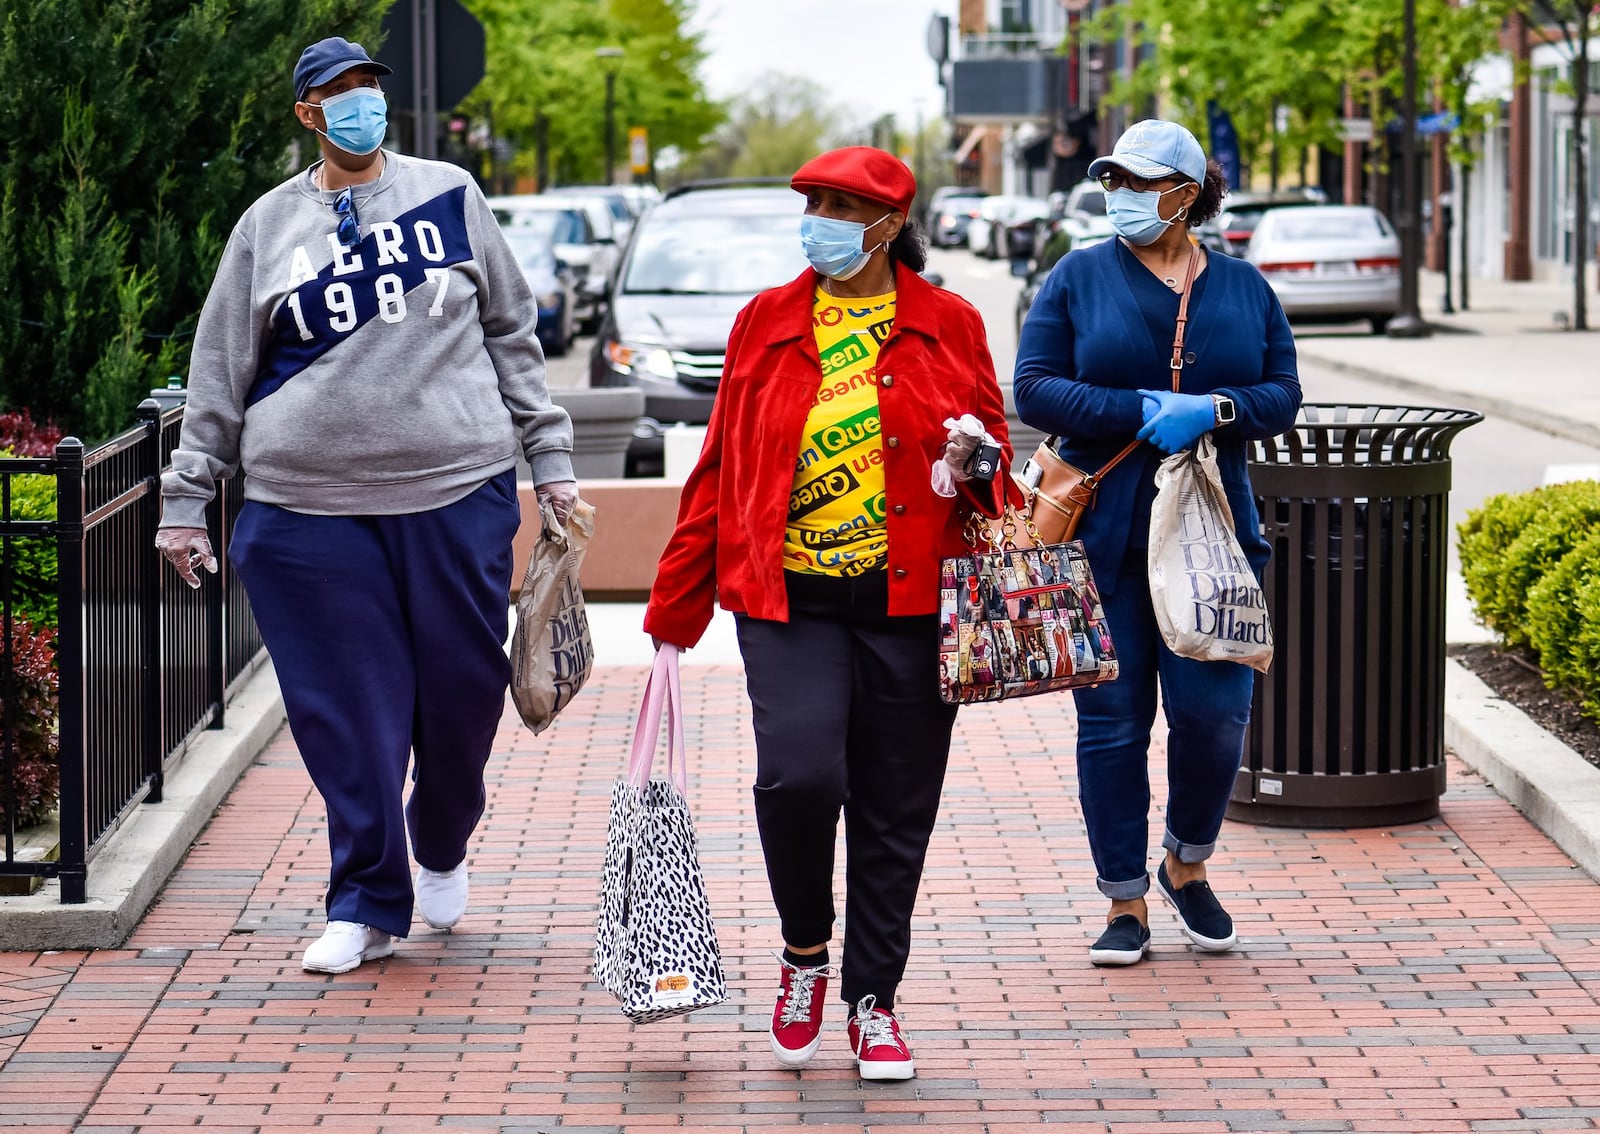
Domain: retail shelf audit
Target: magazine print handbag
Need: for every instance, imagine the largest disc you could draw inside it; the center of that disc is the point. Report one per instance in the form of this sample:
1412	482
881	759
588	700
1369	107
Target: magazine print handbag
655	945
1056	492
1018	621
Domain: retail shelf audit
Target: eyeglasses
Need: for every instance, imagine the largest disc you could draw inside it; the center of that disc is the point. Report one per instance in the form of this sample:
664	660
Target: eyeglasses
344	208
1121	179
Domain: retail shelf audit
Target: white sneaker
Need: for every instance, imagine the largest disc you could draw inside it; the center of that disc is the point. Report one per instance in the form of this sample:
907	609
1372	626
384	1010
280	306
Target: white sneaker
343	946
442	895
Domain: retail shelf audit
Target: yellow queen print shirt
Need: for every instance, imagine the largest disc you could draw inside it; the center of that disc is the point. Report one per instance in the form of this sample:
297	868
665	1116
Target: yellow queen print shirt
836	508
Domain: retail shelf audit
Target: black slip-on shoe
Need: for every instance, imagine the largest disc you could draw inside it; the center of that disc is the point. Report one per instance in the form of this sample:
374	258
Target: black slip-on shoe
1123	943
1204	920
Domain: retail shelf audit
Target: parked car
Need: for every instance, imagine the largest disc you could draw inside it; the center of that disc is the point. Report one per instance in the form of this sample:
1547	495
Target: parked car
1054	243
928	212
986	232
1330	262
584	235
948	220
618	198
1083	214
1232	228
696	258
553	284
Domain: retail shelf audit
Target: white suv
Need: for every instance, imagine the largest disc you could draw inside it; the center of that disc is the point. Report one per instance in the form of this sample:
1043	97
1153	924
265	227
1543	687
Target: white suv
584	237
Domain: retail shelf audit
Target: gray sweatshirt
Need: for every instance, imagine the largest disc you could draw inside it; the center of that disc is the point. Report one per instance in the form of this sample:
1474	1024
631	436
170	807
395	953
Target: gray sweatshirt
394	376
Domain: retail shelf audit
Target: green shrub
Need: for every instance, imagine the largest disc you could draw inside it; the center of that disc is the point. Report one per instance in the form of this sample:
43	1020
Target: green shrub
38	755
34	565
1509	544
1564	622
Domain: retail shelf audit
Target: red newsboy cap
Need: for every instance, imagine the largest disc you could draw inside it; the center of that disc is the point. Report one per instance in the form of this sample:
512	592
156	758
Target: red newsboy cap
865	171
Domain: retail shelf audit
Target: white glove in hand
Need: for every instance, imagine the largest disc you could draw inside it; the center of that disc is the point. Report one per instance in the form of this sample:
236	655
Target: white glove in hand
957	450
965	434
186	549
561	495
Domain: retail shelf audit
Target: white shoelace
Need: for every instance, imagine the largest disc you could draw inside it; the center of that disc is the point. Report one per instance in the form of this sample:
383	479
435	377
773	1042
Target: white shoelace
802	986
877	1028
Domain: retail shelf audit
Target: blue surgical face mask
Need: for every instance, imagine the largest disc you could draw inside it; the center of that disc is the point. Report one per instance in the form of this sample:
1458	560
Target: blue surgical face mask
357	120
836	247
1136	216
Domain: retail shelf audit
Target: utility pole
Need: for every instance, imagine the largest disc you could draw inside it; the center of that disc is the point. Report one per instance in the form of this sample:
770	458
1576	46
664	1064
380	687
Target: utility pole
425	78
610	58
1408	324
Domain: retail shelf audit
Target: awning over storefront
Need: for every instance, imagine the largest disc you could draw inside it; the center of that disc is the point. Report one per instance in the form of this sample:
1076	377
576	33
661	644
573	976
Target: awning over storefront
970	143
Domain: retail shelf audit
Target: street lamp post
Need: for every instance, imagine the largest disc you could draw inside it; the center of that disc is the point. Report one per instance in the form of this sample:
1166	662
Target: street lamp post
610	59
1408	324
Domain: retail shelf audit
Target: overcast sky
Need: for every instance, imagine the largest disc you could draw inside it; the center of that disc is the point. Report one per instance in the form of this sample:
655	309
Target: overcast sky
871	54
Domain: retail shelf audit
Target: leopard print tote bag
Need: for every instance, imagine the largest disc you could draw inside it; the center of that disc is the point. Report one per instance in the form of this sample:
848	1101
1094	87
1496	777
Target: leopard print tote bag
656	945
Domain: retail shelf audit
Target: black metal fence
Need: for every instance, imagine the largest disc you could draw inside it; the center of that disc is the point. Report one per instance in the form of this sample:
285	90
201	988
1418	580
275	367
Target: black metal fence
144	661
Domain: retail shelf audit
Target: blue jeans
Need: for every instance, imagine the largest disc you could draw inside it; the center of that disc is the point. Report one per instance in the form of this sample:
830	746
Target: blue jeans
1208	708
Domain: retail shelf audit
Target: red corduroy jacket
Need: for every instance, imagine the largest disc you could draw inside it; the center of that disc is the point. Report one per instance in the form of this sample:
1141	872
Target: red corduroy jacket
728	543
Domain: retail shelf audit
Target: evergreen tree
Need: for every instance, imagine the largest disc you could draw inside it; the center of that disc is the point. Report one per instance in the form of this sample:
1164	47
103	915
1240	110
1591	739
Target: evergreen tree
137	132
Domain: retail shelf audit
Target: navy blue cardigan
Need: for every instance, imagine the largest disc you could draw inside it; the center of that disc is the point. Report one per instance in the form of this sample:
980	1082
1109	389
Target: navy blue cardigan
1101	329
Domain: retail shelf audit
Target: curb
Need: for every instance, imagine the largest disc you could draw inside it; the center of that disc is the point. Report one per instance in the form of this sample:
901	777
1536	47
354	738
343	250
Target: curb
1558	790
1580	431
136	860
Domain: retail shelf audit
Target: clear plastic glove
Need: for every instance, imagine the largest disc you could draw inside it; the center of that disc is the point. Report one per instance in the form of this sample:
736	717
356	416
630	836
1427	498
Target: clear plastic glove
186	549
561	495
1174	422
966	433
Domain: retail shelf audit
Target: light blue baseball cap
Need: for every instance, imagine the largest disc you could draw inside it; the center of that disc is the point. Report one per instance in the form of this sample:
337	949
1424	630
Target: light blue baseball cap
1153	149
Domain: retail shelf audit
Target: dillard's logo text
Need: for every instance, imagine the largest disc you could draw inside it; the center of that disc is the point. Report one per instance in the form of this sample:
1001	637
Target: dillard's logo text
571	650
1227	602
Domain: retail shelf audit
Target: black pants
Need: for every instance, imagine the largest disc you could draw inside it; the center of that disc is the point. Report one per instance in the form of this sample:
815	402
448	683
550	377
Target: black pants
847	715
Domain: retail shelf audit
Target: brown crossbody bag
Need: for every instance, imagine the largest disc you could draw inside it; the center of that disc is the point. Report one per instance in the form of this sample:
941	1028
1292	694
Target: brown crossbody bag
1058	492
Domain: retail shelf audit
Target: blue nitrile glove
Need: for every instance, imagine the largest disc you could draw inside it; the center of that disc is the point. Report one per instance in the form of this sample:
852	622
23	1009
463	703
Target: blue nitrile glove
1178	420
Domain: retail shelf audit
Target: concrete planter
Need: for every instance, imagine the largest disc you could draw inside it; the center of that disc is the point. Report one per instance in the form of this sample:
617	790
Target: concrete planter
602	425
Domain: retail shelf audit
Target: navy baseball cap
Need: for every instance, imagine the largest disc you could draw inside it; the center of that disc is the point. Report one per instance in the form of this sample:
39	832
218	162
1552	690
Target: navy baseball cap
1154	149
329	58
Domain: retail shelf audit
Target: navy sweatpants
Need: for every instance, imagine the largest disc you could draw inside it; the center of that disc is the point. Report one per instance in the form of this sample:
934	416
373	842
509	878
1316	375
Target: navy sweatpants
387	633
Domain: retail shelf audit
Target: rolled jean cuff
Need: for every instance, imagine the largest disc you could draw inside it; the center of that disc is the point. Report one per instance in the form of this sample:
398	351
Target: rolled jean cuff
1125	891
1187	852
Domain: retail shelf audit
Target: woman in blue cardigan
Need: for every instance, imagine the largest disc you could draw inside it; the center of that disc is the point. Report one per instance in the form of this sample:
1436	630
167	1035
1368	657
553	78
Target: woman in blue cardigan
1094	368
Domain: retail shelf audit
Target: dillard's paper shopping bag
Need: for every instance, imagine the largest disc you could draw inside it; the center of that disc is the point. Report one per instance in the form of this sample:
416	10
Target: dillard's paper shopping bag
1206	598
551	651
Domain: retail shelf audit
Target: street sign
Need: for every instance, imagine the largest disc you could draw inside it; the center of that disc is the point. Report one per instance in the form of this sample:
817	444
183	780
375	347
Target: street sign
1355	129
639	149
458	49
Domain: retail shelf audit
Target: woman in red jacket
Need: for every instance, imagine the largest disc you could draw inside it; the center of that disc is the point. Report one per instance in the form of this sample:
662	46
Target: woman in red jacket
812	516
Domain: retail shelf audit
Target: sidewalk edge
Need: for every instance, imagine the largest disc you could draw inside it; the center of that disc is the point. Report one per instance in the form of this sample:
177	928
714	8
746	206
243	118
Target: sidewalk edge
1580	431
1558	790
139	856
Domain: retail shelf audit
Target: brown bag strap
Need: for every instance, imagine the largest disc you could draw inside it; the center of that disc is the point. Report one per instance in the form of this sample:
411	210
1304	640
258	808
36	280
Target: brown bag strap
1189	273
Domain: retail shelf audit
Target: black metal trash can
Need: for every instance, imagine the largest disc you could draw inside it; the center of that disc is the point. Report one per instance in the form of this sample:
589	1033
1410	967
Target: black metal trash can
1347	727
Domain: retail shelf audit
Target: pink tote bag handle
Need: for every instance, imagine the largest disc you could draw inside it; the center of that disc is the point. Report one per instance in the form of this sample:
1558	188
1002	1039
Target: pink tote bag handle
663	690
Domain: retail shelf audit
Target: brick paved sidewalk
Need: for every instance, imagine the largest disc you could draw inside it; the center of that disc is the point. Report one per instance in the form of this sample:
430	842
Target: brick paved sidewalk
1438	977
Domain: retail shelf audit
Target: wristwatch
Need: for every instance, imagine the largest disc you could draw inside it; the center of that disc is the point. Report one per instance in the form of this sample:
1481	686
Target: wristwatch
1224	407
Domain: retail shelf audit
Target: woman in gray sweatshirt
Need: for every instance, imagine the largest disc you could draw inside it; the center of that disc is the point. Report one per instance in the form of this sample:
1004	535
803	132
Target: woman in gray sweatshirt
366	356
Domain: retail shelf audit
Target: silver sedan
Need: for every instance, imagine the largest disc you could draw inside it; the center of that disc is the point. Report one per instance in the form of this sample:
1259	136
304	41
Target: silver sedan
1334	262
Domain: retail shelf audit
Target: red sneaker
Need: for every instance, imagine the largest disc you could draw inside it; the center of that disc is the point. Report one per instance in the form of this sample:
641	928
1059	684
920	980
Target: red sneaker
875	1037
797	1016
